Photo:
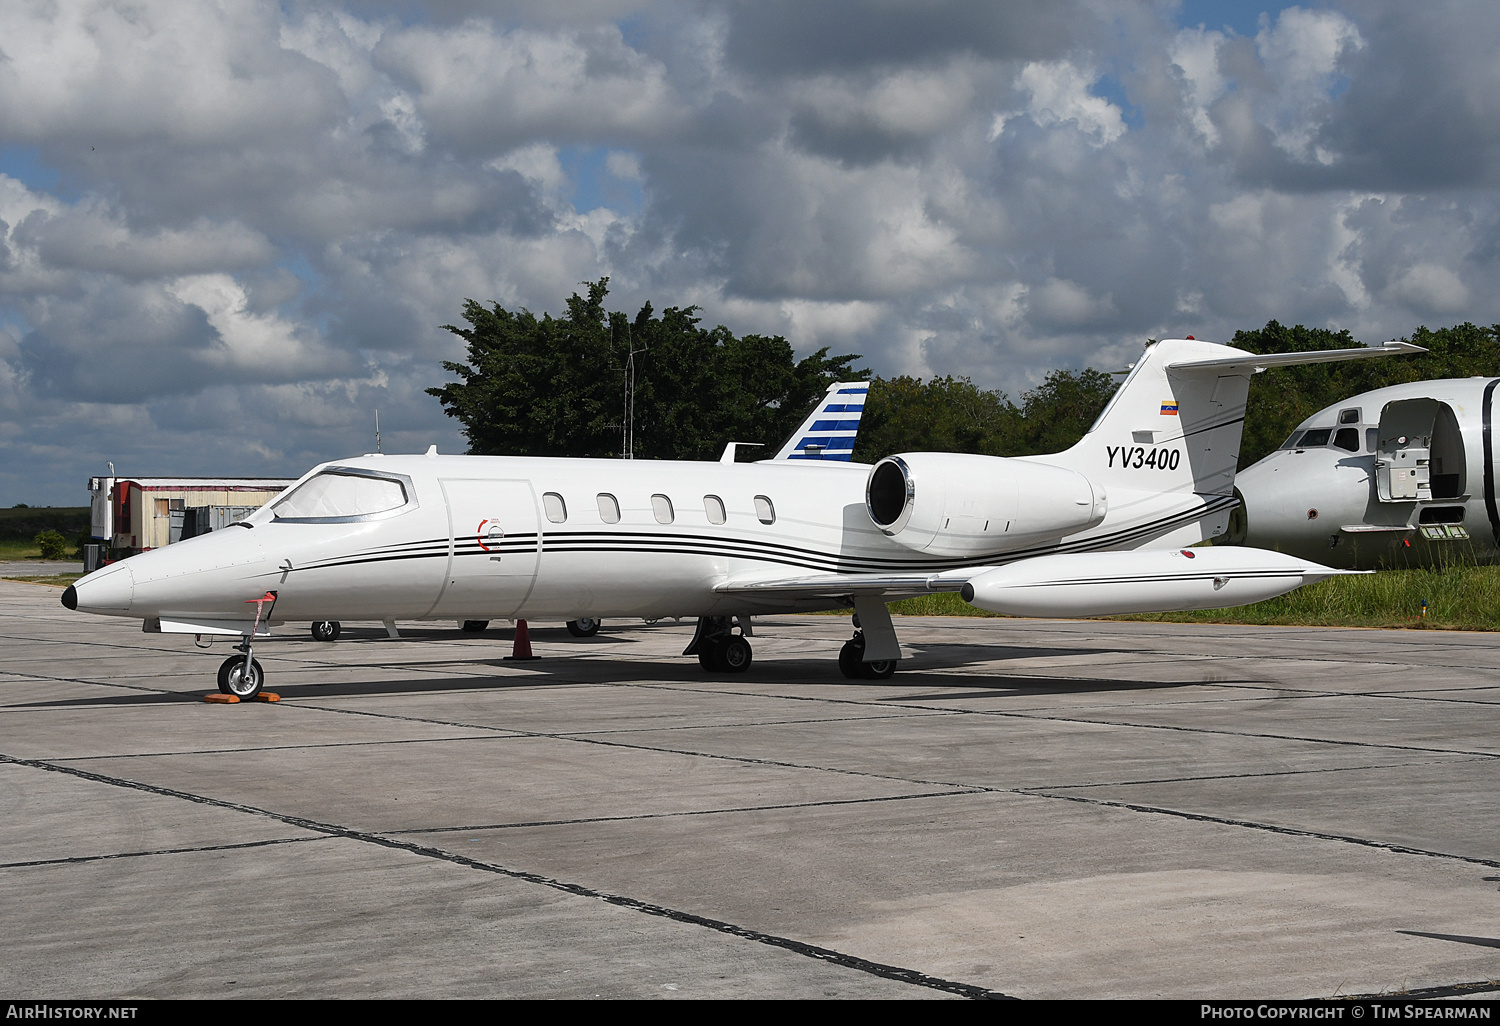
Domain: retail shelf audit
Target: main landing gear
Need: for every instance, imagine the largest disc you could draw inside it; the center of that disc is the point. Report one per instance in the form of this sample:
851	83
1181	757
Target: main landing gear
718	648
874	637
852	661
241	675
326	630
583	627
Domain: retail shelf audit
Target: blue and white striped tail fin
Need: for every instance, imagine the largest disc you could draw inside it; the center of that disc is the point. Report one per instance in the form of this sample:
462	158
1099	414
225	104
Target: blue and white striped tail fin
828	432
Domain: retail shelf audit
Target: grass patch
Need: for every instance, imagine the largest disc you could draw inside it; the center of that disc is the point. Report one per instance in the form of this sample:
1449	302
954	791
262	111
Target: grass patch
10	549
1459	598
54	580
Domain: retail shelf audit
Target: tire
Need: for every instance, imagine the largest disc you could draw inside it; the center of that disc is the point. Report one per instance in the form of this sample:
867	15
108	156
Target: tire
326	630
708	655
234	681
880	669
474	626
583	627
851	658
733	655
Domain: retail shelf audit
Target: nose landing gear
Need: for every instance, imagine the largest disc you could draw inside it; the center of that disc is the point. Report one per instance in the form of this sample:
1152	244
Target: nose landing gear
241	675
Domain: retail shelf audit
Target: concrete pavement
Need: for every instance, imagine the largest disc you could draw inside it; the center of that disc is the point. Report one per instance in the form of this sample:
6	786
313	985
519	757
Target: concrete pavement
1028	808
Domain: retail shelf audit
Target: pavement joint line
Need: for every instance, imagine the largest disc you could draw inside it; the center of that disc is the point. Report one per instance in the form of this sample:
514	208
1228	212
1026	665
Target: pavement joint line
1241	776
1474	989
1199	817
1079	719
76	859
271	748
692	812
899	974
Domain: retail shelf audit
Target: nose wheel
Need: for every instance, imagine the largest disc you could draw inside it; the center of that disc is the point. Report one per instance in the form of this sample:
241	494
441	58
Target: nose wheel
241	677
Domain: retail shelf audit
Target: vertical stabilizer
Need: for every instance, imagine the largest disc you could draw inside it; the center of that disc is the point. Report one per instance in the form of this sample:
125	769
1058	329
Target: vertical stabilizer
828	432
1165	447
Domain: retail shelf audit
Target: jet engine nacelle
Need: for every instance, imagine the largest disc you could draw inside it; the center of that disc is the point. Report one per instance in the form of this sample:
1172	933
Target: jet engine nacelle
955	504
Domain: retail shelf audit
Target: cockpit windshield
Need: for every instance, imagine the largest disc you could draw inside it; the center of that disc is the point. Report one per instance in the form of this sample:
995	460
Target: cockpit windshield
335	495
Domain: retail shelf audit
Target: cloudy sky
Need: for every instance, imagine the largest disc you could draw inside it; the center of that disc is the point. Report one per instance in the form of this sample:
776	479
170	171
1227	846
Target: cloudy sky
230	231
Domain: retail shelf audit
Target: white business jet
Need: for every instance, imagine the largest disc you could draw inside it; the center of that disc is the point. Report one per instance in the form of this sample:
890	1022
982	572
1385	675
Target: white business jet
1399	476
1102	528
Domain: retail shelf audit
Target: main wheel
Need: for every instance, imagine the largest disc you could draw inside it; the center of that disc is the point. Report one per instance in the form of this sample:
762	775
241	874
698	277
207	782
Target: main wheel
583	627
880	669
474	626
733	655
708	655
851	658
233	680
326	630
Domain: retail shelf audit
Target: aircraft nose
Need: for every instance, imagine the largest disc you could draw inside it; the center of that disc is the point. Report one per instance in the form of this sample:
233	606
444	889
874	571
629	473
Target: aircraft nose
109	590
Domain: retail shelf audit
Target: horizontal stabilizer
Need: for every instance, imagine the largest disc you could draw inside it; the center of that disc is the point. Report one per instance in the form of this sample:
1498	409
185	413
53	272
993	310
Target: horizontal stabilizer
1250	363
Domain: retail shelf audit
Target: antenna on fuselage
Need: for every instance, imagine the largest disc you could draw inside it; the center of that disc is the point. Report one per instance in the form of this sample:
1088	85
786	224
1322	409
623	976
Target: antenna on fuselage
627	427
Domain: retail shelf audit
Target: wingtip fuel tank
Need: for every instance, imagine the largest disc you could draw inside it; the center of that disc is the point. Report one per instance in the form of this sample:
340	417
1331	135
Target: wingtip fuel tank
1149	581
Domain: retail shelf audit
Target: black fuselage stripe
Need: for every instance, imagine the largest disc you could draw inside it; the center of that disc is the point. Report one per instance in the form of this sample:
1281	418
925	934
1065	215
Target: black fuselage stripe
783	555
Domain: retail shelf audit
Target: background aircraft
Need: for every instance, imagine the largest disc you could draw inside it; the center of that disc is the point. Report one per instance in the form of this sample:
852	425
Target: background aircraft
1400	476
1100	528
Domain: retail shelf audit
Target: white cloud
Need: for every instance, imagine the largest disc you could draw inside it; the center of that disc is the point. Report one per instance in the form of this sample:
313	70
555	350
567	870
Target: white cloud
1059	92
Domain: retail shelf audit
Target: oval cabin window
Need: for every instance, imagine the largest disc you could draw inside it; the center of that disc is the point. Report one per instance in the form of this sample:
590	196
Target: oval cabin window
609	508
714	507
557	510
764	511
661	506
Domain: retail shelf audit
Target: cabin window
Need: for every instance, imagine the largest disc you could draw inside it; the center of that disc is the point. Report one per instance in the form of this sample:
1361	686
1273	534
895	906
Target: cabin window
557	510
661	507
609	508
714	507
764	511
1347	439
336	495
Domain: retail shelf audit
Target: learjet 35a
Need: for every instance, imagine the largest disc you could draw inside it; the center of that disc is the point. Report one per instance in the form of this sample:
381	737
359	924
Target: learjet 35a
1102	528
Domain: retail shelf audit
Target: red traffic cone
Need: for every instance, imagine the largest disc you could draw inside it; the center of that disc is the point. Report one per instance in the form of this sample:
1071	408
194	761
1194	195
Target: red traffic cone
522	648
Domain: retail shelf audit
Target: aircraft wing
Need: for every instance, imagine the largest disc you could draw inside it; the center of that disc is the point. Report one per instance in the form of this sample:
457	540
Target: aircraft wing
840	585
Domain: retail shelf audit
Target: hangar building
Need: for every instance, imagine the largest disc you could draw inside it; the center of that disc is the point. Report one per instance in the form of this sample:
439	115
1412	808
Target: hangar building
134	514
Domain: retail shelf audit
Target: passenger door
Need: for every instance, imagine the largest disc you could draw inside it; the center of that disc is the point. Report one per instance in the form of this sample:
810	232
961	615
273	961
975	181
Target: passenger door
493	544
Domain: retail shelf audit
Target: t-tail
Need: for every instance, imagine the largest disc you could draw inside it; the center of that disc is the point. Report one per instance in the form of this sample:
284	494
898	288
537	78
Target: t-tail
828	432
1166	446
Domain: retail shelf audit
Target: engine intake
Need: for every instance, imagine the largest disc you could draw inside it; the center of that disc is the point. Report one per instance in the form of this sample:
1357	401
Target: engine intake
962	505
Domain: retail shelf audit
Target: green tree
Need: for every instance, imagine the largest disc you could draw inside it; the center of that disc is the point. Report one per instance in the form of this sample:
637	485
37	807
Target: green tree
52	544
555	387
954	415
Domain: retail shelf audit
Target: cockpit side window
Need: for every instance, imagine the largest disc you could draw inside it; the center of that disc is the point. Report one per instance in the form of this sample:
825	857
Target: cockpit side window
341	496
1347	439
